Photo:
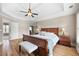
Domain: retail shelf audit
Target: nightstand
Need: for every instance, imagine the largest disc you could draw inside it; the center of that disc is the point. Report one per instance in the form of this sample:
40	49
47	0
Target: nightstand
65	40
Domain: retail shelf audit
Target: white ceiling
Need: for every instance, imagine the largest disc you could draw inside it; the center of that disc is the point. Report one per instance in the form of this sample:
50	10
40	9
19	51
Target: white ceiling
45	10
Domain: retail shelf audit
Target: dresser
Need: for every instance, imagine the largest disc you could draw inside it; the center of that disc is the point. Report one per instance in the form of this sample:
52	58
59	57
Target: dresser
65	40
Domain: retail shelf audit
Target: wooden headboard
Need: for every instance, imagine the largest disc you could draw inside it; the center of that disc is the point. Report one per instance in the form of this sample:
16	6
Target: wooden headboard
53	30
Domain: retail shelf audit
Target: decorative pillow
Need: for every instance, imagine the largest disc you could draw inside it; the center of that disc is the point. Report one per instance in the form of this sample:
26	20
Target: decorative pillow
50	34
42	33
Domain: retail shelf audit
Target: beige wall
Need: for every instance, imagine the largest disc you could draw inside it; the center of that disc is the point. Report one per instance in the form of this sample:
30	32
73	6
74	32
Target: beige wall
0	25
66	22
23	28
0	29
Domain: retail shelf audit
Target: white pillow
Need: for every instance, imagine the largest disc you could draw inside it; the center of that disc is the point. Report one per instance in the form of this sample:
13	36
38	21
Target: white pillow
42	33
50	34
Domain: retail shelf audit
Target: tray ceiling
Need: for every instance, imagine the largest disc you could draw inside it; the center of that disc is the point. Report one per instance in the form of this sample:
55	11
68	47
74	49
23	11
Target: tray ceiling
45	10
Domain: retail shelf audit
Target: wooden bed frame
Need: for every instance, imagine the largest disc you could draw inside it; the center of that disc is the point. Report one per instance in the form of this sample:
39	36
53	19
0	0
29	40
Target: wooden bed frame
41	43
52	30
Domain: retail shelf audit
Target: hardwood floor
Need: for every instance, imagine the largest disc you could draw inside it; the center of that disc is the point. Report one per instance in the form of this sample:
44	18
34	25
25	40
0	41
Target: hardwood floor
61	50
11	48
0	50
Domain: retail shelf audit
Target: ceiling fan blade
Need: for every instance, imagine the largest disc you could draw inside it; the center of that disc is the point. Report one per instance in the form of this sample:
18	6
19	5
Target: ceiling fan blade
24	11
35	13
26	14
32	15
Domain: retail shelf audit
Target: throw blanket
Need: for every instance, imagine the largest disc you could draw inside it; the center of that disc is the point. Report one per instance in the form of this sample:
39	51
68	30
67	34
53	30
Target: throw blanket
52	40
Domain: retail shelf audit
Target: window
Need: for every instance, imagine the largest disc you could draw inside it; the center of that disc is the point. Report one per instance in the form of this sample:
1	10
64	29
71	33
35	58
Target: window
5	28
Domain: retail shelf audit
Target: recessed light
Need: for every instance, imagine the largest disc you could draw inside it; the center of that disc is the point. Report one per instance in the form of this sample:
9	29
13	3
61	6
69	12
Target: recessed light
70	6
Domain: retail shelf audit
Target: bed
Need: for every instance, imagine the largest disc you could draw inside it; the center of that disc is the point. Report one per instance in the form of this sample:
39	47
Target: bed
52	30
41	41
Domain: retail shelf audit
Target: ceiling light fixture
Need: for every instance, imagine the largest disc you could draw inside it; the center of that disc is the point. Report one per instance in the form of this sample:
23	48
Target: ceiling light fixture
29	13
70	6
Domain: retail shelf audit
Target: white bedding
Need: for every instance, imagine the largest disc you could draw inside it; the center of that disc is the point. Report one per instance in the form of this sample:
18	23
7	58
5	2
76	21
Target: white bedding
51	38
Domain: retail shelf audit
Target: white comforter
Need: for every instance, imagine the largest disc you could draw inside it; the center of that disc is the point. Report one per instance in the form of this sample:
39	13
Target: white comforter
52	40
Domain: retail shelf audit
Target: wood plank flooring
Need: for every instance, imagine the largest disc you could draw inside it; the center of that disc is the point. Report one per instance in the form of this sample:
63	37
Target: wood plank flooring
1	50
61	50
11	48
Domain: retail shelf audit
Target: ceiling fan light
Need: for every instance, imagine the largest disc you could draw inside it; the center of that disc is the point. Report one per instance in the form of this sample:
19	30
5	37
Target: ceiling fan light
29	14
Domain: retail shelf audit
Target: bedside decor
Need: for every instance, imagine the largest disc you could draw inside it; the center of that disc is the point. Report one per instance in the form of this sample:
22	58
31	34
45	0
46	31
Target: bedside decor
65	40
61	32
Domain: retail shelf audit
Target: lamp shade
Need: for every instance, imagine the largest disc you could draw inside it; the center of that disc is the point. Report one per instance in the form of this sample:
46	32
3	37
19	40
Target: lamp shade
62	31
30	28
29	14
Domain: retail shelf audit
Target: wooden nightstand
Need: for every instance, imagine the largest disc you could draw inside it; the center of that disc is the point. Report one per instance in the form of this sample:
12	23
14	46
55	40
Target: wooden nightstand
65	40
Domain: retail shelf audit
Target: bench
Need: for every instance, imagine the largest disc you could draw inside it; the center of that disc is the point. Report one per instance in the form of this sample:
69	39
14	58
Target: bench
28	47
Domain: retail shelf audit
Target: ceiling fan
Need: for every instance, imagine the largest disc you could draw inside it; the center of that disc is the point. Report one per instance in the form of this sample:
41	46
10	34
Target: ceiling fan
29	12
